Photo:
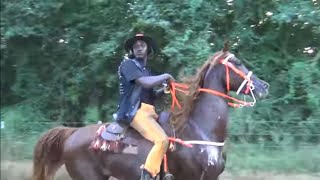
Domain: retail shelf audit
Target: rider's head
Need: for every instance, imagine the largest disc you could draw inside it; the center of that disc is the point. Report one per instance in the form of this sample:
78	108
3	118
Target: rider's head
140	46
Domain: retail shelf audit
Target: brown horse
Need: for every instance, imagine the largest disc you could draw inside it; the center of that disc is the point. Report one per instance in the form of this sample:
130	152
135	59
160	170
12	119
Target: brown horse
201	121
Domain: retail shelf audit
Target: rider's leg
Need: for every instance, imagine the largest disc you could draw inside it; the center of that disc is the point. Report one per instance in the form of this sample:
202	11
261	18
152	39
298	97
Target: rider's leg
145	123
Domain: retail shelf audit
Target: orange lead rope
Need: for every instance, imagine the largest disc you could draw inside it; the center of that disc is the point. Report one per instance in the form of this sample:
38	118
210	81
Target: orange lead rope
228	79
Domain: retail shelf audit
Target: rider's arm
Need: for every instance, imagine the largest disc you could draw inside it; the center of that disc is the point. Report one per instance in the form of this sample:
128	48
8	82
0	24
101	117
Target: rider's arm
132	73
152	81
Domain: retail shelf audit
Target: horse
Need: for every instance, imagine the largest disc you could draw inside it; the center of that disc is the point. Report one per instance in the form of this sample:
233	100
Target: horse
197	127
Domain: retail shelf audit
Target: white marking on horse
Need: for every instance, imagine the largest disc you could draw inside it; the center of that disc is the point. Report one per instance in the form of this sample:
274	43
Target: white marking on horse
213	155
213	151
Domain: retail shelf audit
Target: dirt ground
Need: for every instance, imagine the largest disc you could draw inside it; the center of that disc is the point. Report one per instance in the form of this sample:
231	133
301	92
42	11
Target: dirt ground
22	170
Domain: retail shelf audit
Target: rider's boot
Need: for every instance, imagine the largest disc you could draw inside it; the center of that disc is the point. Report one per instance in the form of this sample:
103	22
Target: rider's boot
145	175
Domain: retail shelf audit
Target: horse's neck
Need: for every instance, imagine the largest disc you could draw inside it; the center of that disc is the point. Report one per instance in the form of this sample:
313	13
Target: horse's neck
210	114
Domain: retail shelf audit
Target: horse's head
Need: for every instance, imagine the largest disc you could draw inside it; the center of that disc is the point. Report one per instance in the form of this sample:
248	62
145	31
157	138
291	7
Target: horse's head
221	73
235	76
239	79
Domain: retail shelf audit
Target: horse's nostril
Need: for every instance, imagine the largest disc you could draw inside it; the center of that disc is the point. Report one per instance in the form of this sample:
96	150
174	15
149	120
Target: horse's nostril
266	85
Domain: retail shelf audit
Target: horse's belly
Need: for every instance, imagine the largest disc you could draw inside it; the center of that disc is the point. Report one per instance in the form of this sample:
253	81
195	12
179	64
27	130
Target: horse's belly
126	165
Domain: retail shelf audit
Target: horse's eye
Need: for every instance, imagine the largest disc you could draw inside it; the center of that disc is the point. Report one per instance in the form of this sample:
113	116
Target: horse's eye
236	62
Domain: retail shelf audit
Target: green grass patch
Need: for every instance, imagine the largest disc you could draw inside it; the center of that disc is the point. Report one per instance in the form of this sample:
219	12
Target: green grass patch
277	159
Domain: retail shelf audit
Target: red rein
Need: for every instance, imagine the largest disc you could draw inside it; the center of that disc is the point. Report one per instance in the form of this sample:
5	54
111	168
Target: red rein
184	88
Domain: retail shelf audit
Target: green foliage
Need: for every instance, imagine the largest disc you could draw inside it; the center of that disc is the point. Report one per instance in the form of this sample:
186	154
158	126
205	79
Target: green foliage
17	117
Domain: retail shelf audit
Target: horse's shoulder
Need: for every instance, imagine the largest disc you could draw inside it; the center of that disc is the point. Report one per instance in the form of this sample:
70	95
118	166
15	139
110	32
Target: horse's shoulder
163	120
164	117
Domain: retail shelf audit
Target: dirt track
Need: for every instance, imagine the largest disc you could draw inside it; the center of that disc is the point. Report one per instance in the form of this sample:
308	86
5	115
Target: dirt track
21	171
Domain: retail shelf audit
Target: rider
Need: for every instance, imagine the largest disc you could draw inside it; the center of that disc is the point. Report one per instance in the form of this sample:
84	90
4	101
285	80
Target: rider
137	96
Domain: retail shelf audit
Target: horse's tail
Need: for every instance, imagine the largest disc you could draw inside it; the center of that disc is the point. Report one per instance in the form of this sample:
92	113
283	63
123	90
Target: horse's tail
48	152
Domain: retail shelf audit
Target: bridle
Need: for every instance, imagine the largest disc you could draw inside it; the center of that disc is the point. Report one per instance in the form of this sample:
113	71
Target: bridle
223	58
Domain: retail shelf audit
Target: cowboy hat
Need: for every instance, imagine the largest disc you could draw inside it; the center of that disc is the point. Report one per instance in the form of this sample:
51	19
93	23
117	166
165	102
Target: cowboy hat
150	42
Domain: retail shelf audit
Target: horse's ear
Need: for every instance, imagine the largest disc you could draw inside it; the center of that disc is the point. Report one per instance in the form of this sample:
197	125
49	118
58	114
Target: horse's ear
225	46
236	52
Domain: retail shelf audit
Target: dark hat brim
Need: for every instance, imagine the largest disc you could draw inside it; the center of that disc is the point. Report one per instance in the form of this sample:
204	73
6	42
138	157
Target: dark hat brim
150	42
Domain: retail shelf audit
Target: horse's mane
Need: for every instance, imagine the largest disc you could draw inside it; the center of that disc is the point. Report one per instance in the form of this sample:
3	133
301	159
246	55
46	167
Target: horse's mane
194	82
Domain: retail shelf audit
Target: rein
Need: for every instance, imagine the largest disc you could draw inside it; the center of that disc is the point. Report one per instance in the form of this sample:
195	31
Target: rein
225	61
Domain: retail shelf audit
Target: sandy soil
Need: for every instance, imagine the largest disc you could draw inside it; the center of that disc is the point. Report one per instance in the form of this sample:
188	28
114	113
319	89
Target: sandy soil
22	170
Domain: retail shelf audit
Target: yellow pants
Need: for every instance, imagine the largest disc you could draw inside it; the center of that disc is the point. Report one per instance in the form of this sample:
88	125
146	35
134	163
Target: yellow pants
145	123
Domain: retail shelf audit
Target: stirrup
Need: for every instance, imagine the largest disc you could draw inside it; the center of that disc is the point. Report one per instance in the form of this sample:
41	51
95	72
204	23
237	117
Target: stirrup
145	175
168	176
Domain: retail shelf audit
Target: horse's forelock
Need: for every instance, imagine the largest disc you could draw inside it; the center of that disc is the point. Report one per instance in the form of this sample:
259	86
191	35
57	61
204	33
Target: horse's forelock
225	46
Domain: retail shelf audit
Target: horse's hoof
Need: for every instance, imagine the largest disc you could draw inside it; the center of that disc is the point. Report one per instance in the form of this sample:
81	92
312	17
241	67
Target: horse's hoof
168	176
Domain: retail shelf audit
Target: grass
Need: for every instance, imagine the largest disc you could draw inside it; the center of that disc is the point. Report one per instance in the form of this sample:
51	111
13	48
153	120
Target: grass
304	159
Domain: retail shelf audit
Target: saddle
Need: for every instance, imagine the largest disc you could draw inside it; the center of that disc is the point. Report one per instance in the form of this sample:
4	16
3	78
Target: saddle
109	137
114	131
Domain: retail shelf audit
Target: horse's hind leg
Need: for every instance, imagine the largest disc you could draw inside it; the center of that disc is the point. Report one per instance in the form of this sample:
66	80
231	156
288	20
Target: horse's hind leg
84	170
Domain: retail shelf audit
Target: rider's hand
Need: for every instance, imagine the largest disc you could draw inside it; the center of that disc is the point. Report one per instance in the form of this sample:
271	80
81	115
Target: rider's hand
169	77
